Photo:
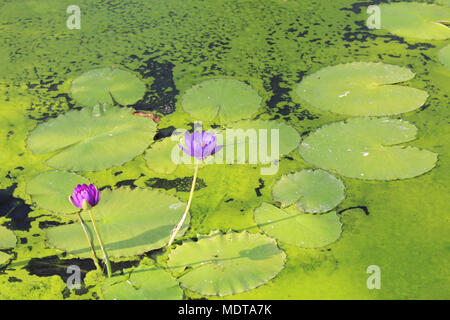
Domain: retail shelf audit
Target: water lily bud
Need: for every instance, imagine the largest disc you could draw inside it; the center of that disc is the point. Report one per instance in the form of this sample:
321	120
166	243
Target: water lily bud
85	196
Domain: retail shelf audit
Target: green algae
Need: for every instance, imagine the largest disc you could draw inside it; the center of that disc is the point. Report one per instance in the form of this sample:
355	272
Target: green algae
270	45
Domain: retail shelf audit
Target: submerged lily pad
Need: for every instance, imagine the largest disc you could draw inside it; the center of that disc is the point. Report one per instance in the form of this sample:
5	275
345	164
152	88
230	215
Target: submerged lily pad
361	88
51	190
106	85
7	240
367	148
416	20
444	56
313	190
297	228
93	138
226	264
130	221
4	258
144	283
221	100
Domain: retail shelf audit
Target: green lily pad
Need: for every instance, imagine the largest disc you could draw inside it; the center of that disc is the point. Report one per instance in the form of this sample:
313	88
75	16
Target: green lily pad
93	138
367	148
226	264
51	190
416	20
444	2
144	283
361	88
313	190
4	258
297	228
130	222
444	56
106	86
221	100
7	238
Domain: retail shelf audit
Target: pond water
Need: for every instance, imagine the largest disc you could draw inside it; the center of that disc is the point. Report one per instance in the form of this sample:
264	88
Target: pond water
385	219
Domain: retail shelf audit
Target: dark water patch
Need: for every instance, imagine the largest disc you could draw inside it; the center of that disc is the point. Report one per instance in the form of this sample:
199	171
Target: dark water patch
54	266
15	209
162	92
119	266
179	184
164	133
154	254
356	7
258	189
281	102
126	183
118	173
363	208
49	224
228	200
14	279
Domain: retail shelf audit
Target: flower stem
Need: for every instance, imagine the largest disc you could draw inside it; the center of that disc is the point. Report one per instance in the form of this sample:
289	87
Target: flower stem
105	255
180	224
94	257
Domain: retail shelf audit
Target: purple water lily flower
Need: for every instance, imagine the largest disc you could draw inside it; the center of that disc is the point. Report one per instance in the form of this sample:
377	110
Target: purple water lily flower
200	145
85	192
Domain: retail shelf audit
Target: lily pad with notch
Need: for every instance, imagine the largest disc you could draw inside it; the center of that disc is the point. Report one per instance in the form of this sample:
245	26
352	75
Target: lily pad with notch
312	190
361	88
106	86
304	230
367	148
226	264
93	138
416	20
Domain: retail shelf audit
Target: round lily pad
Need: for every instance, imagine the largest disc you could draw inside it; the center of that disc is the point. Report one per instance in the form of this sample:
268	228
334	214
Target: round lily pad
7	238
301	229
130	222
93	138
221	100
416	20
226	264
144	283
444	56
361	88
51	190
367	148
312	190
106	86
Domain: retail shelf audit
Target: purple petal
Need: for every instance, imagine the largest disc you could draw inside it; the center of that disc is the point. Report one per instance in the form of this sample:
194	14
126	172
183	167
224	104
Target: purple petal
187	151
